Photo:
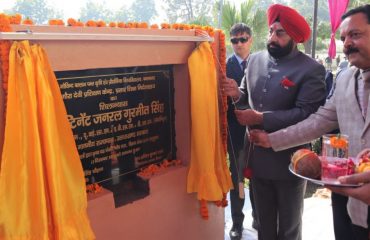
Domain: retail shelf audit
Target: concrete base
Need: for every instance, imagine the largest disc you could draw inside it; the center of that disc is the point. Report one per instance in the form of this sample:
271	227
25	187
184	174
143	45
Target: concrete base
168	213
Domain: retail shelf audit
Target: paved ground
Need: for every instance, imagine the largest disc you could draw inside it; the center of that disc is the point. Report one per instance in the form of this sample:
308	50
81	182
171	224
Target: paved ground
317	219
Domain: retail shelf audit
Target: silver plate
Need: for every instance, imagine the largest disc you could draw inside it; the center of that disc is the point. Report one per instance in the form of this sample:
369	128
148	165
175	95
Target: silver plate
322	183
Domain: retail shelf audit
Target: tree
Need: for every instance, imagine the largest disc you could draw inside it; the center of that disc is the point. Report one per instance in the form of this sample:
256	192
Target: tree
37	10
188	10
357	3
143	10
122	15
96	11
254	17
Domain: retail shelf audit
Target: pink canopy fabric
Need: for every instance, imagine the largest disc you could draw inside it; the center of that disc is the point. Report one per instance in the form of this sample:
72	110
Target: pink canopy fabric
336	10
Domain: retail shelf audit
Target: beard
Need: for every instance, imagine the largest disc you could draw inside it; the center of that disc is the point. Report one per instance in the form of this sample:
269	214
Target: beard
277	51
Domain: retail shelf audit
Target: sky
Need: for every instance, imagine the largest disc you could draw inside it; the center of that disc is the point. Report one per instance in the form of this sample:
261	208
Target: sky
71	8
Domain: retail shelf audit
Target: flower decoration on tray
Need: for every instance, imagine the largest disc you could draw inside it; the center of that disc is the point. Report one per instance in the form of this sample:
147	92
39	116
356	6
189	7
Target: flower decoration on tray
363	161
318	169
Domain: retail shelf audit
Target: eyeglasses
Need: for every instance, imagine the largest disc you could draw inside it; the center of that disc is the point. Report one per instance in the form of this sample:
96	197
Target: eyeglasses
237	40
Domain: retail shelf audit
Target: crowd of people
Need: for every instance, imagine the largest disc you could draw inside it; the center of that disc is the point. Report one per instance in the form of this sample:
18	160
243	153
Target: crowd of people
279	100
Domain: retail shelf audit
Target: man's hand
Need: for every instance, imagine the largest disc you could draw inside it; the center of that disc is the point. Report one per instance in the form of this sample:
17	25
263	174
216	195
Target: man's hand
230	88
249	117
259	138
361	193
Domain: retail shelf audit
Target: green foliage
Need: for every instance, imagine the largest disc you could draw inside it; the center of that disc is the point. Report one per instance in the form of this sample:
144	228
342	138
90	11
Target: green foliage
321	45
143	10
95	11
323	30
316	146
122	15
37	10
254	17
357	3
188	11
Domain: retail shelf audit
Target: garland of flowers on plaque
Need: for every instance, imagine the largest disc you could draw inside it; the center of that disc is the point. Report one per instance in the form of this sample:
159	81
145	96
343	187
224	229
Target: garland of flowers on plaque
154	169
219	57
5	45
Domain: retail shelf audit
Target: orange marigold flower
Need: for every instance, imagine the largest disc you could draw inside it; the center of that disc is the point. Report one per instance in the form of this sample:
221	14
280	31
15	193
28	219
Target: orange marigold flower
15	19
186	27
91	23
112	24
58	22
165	26
203	209
71	22
101	23
175	26
142	25
154	26
338	142
121	25
4	23
27	21
80	24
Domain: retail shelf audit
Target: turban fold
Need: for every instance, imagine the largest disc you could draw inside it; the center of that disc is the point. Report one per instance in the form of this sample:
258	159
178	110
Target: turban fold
293	23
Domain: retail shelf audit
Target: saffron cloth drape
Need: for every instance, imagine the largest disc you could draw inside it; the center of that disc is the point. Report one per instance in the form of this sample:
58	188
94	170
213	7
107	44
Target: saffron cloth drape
336	10
208	173
42	186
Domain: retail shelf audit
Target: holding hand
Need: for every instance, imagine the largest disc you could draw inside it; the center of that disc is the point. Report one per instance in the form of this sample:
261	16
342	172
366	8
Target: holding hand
259	138
230	88
249	117
361	193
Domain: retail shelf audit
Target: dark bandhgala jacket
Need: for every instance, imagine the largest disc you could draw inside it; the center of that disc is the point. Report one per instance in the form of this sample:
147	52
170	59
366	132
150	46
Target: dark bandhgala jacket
287	91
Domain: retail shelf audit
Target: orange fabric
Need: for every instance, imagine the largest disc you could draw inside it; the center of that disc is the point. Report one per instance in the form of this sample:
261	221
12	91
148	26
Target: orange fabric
293	23
208	174
42	187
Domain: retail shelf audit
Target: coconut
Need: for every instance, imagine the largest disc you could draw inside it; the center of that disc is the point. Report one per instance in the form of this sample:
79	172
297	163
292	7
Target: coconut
306	163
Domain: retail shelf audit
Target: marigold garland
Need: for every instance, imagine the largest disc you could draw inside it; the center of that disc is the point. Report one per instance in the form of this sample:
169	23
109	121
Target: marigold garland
15	19
91	23
154	169
121	25
27	21
101	23
203	209
94	188
220	61
4	52
56	22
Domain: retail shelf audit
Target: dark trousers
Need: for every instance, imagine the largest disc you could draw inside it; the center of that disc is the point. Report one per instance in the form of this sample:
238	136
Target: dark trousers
343	227
279	205
236	203
341	221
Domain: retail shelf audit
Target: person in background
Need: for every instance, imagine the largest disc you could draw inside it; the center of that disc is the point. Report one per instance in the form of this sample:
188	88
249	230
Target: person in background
338	60
328	62
281	87
348	110
343	64
241	40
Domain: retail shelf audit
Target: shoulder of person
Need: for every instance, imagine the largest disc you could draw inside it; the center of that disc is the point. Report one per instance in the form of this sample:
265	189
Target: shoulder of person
346	73
258	55
308	62
231	58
